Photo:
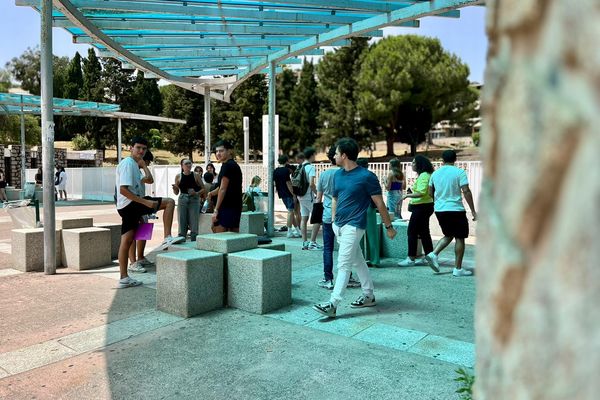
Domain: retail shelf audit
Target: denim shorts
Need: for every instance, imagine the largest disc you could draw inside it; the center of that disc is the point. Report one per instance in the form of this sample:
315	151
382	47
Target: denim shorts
288	202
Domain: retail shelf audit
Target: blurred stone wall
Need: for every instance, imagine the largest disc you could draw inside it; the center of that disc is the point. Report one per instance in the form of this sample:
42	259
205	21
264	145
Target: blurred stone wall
538	263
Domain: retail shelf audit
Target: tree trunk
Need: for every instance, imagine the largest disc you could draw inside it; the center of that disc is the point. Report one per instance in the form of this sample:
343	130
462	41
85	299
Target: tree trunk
538	282
413	149
389	139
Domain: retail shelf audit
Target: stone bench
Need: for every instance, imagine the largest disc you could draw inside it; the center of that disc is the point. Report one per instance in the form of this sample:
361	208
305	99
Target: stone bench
205	223
28	249
115	237
226	242
252	222
86	248
189	282
398	247
74	223
273	246
259	280
13	194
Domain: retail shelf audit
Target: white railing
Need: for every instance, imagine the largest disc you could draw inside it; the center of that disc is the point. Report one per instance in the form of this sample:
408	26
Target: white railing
99	183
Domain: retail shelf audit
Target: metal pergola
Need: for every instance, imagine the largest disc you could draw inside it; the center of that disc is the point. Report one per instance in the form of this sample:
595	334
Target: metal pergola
212	46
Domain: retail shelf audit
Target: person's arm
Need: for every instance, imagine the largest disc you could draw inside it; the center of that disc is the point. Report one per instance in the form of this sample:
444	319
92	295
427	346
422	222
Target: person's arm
388	182
176	184
385	216
333	208
420	190
201	193
148	178
466	191
124	191
220	196
289	186
313	185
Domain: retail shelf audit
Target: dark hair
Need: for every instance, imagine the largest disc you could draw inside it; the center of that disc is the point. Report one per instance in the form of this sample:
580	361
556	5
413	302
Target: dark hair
211	165
309	152
225	143
396	168
283	159
449	156
208	177
331	154
139	140
349	147
300	156
148	157
363	162
422	164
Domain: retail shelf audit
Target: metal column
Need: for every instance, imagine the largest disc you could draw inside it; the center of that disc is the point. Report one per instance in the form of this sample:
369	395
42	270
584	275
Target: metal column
271	157
22	147
119	140
206	126
48	138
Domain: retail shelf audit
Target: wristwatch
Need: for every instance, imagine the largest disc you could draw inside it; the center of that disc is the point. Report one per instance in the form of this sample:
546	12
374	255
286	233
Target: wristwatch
390	226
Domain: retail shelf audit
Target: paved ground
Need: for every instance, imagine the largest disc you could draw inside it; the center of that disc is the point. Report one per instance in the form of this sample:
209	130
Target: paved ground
74	336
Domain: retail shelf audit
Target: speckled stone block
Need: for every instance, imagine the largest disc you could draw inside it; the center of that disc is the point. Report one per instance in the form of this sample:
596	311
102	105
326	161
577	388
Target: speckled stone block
189	282
273	246
13	194
378	216
74	223
86	248
205	223
115	237
398	247
259	280
226	242
183	246
252	222
28	249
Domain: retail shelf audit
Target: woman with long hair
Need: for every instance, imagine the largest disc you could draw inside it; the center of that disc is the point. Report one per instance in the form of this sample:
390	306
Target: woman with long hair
3	186
421	207
394	184
188	185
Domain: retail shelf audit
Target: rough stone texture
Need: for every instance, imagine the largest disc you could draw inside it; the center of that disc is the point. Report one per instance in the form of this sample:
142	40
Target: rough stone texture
398	247
537	319
273	246
259	280
13	194
252	222
74	223
189	282
28	249
115	237
378	216
86	248
226	242
205	223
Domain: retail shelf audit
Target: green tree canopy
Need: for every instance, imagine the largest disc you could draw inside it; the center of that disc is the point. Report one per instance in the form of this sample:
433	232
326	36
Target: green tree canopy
72	90
305	107
26	70
286	83
408	83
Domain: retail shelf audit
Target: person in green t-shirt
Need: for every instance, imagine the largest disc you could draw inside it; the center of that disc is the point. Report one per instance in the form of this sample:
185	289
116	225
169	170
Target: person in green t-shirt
421	207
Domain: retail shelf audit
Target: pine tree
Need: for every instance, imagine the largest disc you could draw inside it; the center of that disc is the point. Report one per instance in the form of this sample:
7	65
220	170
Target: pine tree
73	89
286	83
305	107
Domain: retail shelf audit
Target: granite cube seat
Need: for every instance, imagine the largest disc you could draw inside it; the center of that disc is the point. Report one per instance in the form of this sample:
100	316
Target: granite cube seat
397	247
259	280
205	223
252	222
226	242
273	246
189	282
28	249
115	237
86	248
74	223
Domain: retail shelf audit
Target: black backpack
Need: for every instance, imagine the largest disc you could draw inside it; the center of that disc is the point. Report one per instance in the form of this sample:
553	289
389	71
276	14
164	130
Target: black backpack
300	182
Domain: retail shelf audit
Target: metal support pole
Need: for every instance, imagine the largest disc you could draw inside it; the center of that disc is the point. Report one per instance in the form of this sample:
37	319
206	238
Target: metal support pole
246	125
119	140
48	138
271	157
22	148
206	126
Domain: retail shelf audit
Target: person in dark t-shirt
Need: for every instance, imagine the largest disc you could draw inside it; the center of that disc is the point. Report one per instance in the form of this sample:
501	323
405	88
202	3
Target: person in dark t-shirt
228	208
283	184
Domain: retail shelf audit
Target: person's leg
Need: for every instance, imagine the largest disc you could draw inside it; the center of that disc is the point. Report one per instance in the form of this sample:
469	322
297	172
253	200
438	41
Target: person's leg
360	265
348	244
182	215
141	247
459	252
3	194
194	216
413	231
168	206
442	244
315	232
303	228
423	228
132	257
218	229
65	194
126	241
328	244
398	211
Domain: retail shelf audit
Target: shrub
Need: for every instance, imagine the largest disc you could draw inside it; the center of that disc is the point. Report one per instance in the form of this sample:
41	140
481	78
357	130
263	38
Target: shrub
81	142
466	384
476	137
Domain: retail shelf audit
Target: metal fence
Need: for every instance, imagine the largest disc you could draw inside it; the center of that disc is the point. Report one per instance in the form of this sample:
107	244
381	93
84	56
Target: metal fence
99	183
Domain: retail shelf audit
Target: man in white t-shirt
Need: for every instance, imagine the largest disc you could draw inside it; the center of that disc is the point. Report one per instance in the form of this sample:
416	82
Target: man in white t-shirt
447	186
306	201
131	207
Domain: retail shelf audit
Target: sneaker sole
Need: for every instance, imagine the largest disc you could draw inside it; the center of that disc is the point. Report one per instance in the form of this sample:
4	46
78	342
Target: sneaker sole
138	272
317	309
431	264
128	286
364	305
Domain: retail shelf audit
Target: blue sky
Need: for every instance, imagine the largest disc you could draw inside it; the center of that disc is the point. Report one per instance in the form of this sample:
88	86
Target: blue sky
465	37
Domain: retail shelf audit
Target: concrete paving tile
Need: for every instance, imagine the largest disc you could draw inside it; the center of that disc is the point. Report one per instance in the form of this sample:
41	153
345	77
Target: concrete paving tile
301	275
95	338
145	322
9	272
3	373
34	356
346	326
390	336
295	314
450	350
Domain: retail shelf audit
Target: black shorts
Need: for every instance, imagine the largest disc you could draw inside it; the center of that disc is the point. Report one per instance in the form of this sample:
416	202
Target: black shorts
454	223
131	215
229	218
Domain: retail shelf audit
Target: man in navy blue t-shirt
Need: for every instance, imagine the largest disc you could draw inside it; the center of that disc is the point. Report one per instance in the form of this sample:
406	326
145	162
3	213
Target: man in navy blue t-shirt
353	189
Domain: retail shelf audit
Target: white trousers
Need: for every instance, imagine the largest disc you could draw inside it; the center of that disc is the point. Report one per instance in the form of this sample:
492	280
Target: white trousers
349	256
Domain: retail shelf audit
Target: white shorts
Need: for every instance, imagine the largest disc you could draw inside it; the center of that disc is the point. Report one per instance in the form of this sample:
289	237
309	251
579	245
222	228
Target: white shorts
306	204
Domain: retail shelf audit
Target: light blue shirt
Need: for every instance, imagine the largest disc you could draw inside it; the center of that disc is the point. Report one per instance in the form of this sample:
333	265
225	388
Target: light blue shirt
447	181
325	185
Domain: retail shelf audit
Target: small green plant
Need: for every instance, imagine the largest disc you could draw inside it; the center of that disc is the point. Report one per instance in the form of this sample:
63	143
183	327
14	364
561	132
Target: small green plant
476	138
81	142
466	381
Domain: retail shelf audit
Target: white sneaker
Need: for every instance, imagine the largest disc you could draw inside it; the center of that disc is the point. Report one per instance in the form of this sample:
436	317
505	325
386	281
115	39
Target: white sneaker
128	282
421	262
461	272
407	263
289	234
432	260
170	240
136	267
296	233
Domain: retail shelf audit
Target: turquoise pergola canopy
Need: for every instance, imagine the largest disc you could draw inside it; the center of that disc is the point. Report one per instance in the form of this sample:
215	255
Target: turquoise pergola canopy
29	104
200	44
